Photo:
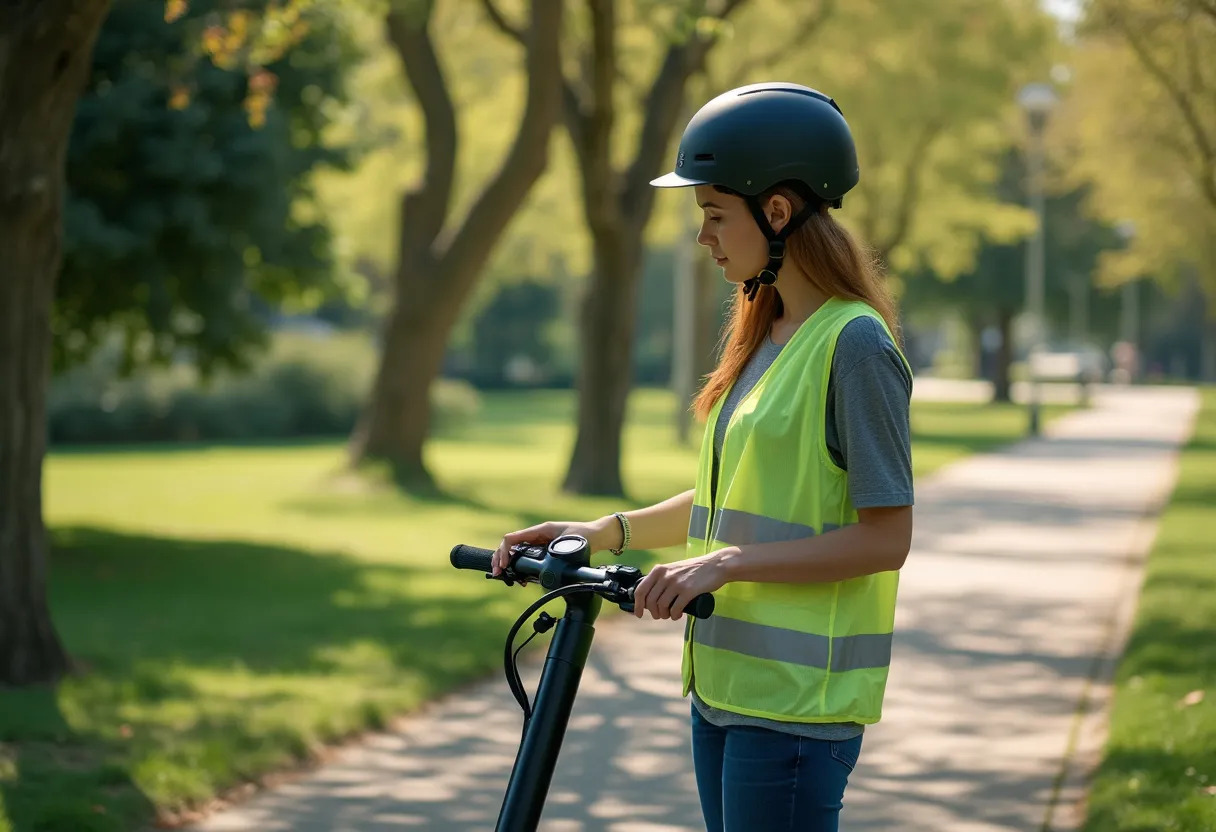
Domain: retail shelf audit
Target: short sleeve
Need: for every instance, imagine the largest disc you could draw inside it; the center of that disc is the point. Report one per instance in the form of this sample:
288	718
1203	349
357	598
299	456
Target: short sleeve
867	426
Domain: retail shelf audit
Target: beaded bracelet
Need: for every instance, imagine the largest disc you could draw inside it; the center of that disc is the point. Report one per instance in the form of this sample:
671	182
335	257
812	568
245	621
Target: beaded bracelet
625	529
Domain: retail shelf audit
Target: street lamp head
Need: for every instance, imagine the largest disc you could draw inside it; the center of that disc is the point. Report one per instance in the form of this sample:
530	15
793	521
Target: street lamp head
1037	99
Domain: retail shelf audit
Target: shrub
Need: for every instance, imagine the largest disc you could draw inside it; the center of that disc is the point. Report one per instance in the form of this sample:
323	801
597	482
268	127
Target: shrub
303	385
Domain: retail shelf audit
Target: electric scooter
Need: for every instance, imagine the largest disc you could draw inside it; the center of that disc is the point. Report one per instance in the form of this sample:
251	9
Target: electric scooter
563	568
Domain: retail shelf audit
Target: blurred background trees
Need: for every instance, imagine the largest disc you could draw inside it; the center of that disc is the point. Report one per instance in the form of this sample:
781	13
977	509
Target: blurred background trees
346	218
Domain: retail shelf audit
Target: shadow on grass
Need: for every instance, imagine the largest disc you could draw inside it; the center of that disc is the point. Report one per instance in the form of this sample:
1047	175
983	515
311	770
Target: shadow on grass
54	779
1194	495
193	644
181	447
1167	641
120	598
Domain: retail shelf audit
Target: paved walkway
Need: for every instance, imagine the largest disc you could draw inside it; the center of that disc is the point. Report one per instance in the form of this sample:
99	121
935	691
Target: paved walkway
1024	570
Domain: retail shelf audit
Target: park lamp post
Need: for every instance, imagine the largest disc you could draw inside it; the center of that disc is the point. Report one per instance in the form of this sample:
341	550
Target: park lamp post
1037	100
1129	323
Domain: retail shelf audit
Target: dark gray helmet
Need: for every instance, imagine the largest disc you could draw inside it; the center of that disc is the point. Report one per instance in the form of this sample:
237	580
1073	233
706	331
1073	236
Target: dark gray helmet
751	138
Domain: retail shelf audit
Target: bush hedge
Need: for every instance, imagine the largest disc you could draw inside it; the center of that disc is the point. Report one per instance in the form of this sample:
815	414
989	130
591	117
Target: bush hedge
303	385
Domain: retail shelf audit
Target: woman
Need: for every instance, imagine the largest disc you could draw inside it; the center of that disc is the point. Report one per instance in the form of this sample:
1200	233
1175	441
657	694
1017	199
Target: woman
802	512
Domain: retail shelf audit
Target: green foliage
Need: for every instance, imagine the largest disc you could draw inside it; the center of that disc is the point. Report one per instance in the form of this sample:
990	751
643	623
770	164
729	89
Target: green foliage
1140	124
183	220
302	386
511	336
532	323
483	68
996	283
929	91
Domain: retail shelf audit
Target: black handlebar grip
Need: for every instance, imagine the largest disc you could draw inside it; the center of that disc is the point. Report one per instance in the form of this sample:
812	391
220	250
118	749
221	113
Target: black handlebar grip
472	557
701	607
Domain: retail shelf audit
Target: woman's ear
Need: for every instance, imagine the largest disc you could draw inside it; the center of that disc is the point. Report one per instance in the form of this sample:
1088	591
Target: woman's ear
778	210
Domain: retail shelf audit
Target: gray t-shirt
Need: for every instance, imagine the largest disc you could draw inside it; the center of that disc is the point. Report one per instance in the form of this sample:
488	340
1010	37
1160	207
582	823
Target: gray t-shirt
867	433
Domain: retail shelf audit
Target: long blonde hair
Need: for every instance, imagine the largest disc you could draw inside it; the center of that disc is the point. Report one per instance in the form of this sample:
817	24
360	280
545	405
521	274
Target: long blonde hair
832	259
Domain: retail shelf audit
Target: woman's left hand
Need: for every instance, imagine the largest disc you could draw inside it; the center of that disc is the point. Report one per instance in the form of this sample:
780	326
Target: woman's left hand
669	587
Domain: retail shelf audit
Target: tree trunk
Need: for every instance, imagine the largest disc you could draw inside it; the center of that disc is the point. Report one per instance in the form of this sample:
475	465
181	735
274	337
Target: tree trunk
1004	357
709	316
438	266
975	327
45	56
617	205
605	368
397	420
703	318
1208	360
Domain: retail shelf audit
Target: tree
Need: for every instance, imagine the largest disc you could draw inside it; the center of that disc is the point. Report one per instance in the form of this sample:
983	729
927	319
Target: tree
945	77
151	270
440	259
618	200
190	212
45	49
1140	124
929	92
992	292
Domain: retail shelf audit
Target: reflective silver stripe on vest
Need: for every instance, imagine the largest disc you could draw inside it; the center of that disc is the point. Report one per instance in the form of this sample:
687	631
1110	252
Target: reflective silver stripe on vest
739	528
698	522
762	641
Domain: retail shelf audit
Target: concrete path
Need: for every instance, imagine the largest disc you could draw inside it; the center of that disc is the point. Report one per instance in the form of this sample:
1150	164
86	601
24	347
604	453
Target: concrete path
1013	606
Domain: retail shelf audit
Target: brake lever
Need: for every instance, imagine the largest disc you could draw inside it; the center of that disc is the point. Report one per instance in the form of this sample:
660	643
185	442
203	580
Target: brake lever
507	577
625	578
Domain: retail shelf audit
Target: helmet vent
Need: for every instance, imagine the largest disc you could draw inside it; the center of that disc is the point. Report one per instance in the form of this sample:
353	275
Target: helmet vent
703	157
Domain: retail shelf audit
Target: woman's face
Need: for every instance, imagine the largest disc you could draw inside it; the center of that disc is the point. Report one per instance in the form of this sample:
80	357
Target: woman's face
729	231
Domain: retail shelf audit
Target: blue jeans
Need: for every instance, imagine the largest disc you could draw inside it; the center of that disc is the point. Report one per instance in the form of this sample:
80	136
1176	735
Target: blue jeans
757	780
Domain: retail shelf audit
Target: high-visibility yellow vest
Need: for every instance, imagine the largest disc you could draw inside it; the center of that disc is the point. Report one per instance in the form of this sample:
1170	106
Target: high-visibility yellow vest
811	652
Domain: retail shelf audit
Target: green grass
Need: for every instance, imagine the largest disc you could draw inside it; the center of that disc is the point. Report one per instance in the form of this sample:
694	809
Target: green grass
237	606
943	432
1159	771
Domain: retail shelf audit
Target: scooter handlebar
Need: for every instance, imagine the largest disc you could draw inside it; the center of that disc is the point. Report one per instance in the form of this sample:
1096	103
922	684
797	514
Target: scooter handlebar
481	560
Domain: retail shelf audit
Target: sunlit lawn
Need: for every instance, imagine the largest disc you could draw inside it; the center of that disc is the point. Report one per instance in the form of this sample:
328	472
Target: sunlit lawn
235	607
1159	771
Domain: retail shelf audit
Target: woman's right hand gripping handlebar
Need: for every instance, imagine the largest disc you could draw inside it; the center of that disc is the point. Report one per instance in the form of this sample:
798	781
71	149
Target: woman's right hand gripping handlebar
598	534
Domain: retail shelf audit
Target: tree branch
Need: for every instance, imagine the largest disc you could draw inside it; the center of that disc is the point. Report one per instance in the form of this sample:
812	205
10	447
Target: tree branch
910	193
1207	7
726	8
425	208
804	31
636	84
874	161
574	116
1186	107
1198	83
662	111
470	246
603	68
504	25
592	114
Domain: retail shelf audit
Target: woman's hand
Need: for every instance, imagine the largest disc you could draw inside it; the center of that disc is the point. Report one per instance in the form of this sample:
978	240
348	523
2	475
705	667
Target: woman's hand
596	533
669	587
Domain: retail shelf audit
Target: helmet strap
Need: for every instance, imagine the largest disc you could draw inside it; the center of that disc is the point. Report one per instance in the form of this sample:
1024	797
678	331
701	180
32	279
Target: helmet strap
776	243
